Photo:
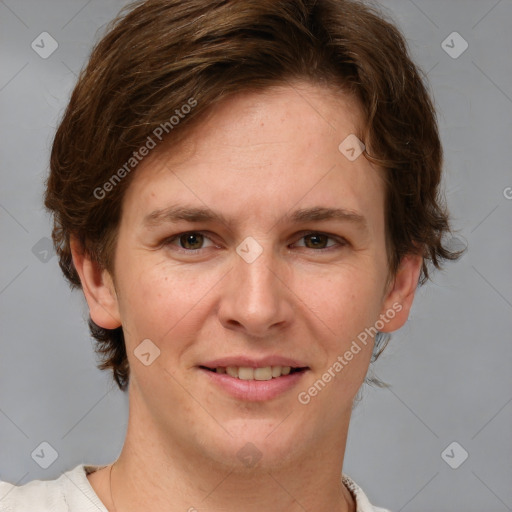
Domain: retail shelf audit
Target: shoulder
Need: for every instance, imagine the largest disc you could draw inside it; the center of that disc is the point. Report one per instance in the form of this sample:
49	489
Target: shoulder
362	502
71	492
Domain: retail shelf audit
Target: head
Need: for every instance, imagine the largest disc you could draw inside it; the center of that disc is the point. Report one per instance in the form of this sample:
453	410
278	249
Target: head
166	112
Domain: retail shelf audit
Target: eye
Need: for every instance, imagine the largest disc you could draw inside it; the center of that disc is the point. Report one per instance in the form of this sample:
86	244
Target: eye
317	240
189	241
192	241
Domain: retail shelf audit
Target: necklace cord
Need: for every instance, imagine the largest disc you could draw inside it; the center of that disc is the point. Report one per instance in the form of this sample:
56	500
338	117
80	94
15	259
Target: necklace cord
110	485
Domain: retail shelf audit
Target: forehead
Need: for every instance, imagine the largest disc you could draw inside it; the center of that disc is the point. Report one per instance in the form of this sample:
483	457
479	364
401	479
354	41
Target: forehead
287	114
259	151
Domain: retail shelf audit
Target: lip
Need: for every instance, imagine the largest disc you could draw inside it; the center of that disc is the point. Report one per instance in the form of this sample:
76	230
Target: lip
253	390
251	362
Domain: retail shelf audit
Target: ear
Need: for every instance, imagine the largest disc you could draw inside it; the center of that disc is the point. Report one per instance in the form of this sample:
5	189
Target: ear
400	292
98	288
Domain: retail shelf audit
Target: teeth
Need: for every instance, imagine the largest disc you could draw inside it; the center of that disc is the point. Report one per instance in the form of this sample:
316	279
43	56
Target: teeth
247	373
276	371
263	373
231	370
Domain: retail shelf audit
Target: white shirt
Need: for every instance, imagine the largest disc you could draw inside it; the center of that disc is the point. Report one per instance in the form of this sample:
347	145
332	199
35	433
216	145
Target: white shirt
72	492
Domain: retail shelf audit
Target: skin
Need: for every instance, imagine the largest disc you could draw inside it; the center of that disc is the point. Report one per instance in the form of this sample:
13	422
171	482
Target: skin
255	158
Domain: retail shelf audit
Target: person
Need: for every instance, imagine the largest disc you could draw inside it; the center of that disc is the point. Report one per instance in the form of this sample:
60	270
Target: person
248	194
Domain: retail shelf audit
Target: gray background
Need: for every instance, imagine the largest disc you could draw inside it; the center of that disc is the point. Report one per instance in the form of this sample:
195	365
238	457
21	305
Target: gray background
450	366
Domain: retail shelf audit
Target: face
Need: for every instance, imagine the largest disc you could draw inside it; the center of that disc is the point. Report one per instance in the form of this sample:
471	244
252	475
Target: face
256	243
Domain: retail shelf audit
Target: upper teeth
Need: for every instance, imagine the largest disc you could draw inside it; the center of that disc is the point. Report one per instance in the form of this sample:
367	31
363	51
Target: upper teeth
247	373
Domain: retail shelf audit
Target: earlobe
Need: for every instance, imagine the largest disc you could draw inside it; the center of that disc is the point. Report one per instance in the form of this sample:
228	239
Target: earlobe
400	295
98	288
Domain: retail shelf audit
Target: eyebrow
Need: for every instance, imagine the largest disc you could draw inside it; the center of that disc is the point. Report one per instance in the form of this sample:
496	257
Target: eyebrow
303	215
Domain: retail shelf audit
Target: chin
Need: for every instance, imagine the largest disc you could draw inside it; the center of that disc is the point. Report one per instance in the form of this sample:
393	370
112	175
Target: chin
254	448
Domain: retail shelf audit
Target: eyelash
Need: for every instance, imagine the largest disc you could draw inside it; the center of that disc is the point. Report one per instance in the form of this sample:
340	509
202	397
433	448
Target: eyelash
341	242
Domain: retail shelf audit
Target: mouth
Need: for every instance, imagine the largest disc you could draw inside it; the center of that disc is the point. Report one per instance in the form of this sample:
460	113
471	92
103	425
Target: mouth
254	378
258	374
256	383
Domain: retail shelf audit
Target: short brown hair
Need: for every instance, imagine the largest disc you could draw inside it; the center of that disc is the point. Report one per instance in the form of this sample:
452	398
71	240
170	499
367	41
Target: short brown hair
160	55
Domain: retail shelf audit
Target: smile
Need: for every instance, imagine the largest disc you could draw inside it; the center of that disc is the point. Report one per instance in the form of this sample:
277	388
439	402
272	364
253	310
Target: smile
248	373
254	384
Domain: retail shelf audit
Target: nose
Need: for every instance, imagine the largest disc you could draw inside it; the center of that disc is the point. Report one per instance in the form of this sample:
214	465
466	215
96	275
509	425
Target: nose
256	298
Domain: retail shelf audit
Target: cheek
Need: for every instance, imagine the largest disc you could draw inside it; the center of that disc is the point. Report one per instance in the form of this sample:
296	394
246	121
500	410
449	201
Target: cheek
345	310
346	299
345	305
160	299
